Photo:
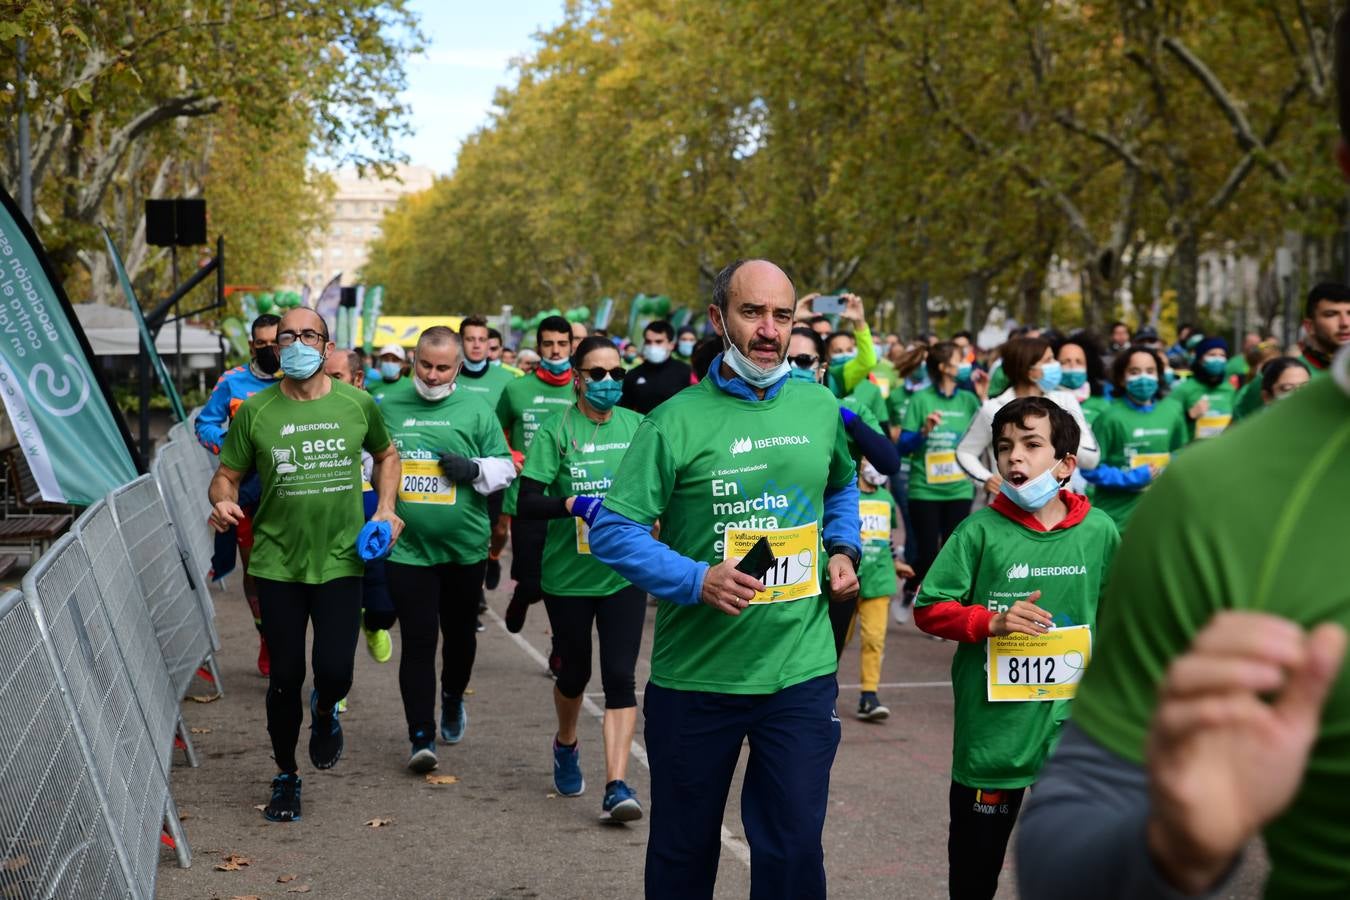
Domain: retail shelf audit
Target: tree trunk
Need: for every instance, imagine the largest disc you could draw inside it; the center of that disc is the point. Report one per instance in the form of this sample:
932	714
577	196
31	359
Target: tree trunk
977	311
1099	296
1186	274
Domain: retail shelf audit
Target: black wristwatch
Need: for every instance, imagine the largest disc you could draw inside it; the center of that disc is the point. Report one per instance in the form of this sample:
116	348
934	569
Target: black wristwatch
846	550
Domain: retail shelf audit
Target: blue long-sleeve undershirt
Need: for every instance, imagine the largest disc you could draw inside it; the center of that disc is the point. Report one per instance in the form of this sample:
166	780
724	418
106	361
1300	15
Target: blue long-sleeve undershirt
1135	479
910	442
875	446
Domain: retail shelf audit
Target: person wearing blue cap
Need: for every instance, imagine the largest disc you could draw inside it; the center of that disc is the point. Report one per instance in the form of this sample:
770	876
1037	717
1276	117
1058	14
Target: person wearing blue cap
1208	396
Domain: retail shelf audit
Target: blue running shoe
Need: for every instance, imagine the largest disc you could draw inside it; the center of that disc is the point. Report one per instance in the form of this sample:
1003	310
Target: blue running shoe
423	757
620	803
454	719
567	777
285	803
325	735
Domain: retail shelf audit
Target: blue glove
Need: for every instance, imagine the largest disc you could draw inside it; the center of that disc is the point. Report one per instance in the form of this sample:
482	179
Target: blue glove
586	508
374	541
848	415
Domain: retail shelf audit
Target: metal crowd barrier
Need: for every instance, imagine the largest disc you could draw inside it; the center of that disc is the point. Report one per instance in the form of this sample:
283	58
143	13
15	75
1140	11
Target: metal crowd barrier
54	834
79	636
96	655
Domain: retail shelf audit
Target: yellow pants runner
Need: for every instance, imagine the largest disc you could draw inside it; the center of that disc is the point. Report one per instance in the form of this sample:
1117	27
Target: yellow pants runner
871	617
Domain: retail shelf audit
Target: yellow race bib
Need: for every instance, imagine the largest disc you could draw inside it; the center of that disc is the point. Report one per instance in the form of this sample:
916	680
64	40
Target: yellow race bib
1211	425
876	520
583	537
423	482
1041	667
1158	460
941	467
794	574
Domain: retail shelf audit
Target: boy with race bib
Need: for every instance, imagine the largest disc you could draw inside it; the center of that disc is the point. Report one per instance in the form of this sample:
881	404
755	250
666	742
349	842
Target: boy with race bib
1017	585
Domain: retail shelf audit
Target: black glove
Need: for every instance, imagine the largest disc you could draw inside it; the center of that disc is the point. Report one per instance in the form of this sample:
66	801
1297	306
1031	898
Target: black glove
458	468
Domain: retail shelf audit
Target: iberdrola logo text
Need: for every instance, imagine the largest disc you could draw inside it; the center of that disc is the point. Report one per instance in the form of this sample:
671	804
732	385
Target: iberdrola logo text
745	444
1023	570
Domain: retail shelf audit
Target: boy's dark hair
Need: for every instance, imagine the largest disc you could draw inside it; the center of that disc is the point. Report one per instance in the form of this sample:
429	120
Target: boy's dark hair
553	325
661	327
494	333
1064	430
1020	356
266	320
1327	290
474	322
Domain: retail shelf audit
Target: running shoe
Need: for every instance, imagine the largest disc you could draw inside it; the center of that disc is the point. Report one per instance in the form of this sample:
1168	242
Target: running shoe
285	803
870	708
492	576
567	777
342	705
454	719
620	803
325	735
480	627
379	644
423	757
264	658
515	612
902	609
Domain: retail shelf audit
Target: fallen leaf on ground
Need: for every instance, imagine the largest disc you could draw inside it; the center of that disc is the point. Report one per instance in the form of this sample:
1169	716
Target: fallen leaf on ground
260	807
203	698
199	730
233	863
298	889
550	796
379	823
15	863
285	879
442	779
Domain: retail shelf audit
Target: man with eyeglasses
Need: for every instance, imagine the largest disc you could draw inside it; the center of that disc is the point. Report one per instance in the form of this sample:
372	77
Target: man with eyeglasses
303	436
658	377
233	388
454	456
743	647
523	407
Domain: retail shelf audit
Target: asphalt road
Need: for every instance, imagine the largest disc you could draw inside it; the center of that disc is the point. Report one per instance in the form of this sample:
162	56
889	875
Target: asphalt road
500	832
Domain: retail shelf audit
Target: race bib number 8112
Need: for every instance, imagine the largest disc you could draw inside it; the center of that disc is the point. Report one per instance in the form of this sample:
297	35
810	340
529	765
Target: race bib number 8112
1038	667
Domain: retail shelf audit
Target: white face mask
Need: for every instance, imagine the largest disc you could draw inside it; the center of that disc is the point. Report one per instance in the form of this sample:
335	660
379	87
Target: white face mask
432	394
654	354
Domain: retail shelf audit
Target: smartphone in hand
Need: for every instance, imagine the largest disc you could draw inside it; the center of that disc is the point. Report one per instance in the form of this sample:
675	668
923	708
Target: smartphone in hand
829	305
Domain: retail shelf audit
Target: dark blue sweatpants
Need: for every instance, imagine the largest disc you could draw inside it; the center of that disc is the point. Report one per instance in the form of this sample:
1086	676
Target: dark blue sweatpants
693	743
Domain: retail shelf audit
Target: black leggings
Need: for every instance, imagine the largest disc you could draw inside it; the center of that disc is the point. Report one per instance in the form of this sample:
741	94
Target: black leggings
934	521
982	820
527	556
287	608
423	597
618	620
375	590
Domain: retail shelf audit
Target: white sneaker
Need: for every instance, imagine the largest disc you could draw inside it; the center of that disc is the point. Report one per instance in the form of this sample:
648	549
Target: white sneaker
901	611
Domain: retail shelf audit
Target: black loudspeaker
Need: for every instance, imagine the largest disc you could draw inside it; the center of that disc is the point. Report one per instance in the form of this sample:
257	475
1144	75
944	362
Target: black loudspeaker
190	222
170	223
159	229
348	297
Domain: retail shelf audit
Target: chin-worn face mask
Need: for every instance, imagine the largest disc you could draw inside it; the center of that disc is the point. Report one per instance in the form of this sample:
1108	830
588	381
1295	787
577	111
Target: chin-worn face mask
749	371
432	392
1035	493
556	366
476	367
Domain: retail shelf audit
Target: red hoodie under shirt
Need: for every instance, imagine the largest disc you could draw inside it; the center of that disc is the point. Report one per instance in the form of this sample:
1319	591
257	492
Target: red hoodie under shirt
956	621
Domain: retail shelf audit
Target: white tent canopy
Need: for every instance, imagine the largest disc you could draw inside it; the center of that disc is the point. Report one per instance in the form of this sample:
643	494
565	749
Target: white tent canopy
112	332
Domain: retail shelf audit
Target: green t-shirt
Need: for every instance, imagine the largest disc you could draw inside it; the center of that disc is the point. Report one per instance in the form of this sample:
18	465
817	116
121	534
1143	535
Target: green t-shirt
443	522
1222	400
308	455
704	462
487	387
993	561
876	569
1094	406
868	395
1249	400
1254	521
933	471
377	387
886	379
998	381
1237	365
571	455
524	405
1129	437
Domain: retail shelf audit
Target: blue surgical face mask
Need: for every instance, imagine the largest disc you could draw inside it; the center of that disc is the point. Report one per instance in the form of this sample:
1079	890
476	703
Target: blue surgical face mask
475	367
840	358
751	372
1035	493
390	371
799	374
495	362
372	374
1052	373
1073	378
300	361
604	394
556	366
1141	388
1214	365
654	354
963	372
686	347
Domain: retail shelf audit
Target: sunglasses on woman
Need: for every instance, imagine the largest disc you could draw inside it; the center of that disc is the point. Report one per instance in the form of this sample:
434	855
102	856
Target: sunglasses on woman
804	360
599	373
